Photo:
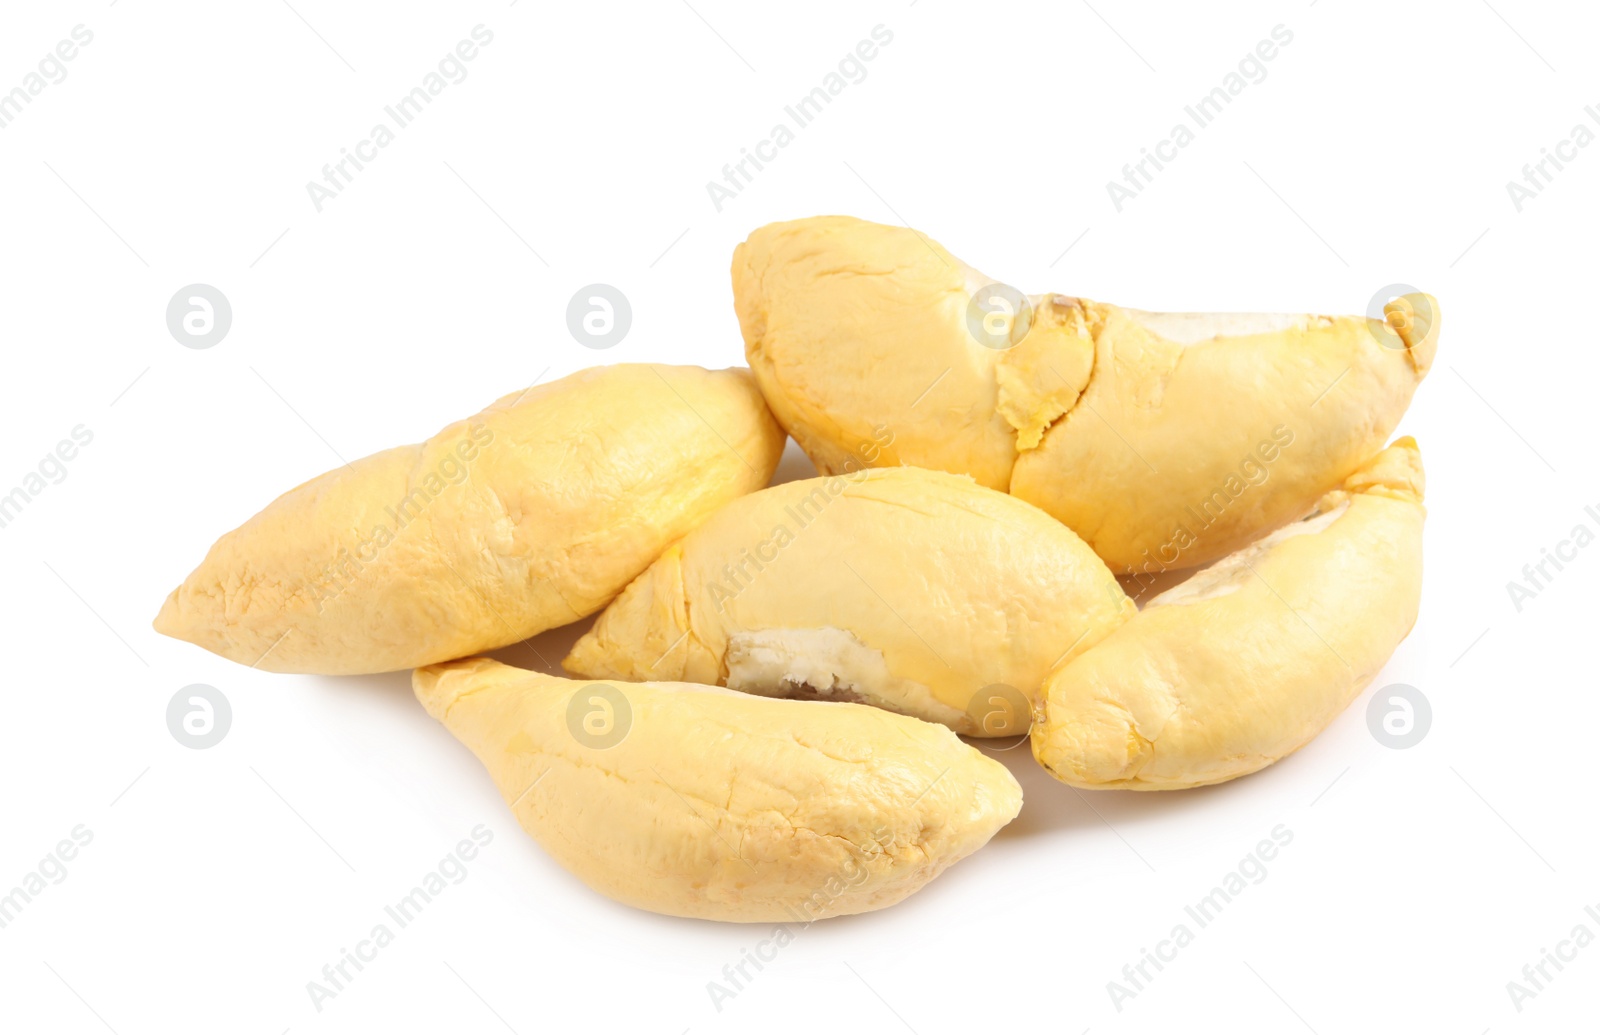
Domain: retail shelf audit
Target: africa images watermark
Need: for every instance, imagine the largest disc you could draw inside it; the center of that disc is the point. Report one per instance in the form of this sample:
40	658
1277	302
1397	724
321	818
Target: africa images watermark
451	70
736	977
738	576
452	869
1253	471
1252	70
345	569
51	71
52	869
1538	175
52	470
1537	575
851	70
1252	869
1537	976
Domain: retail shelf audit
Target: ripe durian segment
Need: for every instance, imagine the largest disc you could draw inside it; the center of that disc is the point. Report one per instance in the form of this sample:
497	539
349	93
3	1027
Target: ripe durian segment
1249	659
1146	433
851	327
720	805
529	515
905	588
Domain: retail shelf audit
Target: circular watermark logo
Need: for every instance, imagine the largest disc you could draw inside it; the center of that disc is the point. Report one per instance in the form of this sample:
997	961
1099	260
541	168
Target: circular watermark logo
199	716
998	316
1000	710
1412	314
599	316
199	316
599	716
1399	716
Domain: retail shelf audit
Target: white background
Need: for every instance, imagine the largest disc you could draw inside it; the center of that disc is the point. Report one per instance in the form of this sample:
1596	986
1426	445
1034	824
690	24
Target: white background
219	882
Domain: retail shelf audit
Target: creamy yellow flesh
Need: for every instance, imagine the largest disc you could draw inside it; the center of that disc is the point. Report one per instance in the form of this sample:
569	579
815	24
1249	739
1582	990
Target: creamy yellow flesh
909	589
1251	658
719	805
531	514
1164	440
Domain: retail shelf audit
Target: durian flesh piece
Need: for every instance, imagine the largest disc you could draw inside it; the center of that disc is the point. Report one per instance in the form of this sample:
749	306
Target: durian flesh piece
913	590
1165	440
529	515
700	802
1250	658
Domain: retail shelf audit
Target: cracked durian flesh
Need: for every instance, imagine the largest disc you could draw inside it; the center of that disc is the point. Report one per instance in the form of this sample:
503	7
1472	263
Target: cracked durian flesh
726	806
909	589
1146	433
1249	659
531	514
